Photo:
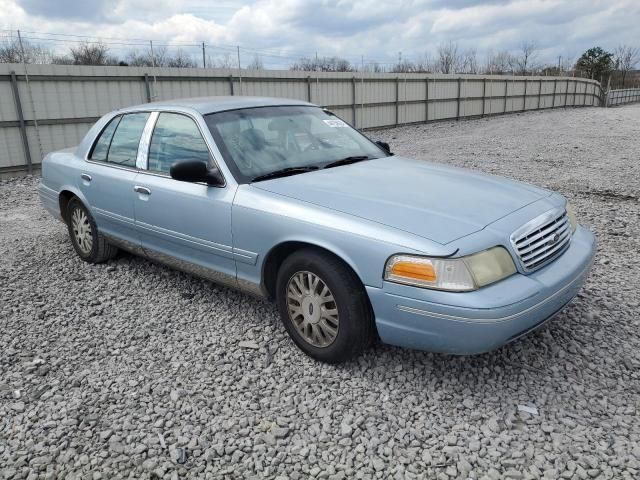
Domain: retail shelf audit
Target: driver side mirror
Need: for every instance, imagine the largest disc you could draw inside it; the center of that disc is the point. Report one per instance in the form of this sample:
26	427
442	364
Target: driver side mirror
196	171
385	146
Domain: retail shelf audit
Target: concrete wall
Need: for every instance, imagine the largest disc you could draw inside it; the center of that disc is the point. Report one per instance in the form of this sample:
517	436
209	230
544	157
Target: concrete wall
58	103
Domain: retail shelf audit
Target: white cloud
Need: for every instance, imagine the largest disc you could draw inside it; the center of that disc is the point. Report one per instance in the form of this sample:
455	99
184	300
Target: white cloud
377	30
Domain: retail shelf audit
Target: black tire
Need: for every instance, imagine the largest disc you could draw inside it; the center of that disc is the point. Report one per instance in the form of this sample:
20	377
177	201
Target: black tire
355	329
100	250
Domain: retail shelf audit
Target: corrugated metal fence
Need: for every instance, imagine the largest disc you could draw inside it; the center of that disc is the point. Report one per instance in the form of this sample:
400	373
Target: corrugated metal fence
50	107
622	96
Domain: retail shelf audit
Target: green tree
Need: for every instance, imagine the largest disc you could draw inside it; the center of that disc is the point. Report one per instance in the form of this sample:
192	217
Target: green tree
595	63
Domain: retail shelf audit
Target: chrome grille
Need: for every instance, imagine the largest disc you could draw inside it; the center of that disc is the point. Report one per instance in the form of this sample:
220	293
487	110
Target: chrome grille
543	239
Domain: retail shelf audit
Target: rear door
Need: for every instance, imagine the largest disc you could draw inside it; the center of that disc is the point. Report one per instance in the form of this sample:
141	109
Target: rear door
108	180
178	221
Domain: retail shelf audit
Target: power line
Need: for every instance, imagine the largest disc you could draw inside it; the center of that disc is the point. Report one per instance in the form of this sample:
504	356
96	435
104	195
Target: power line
122	43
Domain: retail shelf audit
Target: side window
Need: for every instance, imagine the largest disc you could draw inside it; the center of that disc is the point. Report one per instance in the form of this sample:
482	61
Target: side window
175	137
124	145
101	147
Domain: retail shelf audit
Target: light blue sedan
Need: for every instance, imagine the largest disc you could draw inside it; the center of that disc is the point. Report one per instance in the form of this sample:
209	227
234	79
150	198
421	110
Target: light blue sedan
282	199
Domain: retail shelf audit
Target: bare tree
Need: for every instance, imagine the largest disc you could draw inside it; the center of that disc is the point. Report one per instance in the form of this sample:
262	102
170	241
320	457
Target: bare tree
12	52
374	67
227	61
525	58
92	54
499	63
256	63
404	66
160	58
626	58
469	61
323	64
448	60
423	64
180	59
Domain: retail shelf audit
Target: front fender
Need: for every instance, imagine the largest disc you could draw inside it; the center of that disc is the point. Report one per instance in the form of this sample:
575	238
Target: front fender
263	220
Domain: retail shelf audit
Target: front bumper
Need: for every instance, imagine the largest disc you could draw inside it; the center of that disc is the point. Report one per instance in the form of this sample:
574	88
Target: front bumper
480	321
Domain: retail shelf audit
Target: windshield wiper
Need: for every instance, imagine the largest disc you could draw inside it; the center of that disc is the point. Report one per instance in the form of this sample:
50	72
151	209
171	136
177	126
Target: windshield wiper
347	161
284	172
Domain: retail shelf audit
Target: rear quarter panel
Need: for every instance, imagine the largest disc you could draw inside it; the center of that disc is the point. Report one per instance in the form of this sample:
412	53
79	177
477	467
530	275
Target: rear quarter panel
61	170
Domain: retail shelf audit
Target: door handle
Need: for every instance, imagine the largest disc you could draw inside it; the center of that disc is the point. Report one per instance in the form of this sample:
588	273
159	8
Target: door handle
86	177
143	190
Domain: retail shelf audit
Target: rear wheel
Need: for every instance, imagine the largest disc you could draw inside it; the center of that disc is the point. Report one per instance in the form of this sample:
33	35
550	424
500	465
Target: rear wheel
323	306
90	245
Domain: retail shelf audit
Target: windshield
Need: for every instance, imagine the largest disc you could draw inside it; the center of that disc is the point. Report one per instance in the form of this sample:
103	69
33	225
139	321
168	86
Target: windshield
263	140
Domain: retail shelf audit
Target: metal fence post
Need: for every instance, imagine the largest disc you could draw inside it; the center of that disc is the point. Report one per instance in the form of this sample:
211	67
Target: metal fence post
524	101
459	94
23	128
426	100
309	88
147	87
231	84
484	95
397	100
506	91
353	103
539	93
553	101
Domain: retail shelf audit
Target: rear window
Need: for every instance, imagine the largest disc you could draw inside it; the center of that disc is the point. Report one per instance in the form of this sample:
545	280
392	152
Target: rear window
101	147
118	142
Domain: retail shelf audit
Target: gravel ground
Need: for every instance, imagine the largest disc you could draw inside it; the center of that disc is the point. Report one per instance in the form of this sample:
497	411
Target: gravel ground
132	370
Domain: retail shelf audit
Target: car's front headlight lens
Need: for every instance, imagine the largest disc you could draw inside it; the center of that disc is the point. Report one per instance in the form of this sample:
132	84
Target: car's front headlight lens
453	274
573	220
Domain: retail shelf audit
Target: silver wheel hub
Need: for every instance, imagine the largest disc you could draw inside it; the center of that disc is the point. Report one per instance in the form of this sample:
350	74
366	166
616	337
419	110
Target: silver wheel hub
312	309
82	230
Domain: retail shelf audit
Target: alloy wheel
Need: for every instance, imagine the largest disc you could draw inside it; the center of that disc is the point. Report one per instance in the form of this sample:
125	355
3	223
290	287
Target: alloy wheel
82	230
312	309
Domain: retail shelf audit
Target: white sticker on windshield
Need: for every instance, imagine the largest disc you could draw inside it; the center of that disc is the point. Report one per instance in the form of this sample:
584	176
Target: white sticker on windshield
335	123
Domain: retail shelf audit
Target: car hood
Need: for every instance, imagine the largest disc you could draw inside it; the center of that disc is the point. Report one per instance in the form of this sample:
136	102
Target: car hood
434	201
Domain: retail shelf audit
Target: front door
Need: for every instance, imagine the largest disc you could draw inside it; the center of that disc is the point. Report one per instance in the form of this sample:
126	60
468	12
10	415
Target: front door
184	224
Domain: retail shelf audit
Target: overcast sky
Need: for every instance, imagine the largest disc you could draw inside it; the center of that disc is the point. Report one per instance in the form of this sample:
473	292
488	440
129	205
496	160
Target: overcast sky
375	29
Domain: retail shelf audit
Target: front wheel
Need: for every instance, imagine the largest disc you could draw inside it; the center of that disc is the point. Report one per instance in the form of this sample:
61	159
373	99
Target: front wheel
323	306
88	243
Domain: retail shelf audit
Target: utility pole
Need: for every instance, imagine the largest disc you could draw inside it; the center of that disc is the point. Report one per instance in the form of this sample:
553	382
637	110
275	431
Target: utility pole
153	63
362	91
559	58
239	68
204	61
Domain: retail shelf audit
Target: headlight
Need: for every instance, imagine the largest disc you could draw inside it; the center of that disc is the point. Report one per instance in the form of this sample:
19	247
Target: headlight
453	274
572	217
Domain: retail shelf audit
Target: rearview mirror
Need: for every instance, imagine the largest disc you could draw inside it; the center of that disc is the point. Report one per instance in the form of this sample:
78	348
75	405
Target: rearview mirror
385	146
196	171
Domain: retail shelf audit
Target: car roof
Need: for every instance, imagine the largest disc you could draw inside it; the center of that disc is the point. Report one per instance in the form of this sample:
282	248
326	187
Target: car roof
205	105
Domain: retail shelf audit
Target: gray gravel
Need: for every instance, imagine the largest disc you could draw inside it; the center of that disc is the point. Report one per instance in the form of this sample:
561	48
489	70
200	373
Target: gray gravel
132	370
